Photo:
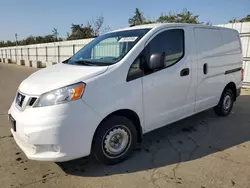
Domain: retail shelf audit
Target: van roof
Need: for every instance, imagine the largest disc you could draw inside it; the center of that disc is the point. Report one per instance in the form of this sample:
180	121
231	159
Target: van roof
149	26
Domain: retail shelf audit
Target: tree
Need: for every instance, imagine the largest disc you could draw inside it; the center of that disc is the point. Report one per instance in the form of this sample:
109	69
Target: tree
106	29
149	22
55	33
245	19
167	18
184	17
81	32
9	43
98	25
29	40
233	20
2	44
187	17
137	19
90	30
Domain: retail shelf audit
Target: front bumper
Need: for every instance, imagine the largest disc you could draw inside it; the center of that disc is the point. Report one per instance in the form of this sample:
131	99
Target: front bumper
48	154
55	133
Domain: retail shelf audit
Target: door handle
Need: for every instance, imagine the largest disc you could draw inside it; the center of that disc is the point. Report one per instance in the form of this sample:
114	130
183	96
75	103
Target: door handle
205	68
185	72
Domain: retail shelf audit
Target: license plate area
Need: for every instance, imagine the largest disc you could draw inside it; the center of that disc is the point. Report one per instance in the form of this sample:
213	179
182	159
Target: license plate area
12	122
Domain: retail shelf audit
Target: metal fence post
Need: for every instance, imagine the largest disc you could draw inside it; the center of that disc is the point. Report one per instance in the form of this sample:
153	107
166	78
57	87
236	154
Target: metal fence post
21	53
36	54
74	48
58	53
46	53
16	54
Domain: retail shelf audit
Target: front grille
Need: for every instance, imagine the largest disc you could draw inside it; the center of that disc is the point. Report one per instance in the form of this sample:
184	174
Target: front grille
32	101
19	99
24	101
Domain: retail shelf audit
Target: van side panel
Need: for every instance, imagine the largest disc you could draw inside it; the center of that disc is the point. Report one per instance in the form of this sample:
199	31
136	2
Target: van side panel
209	45
220	50
232	44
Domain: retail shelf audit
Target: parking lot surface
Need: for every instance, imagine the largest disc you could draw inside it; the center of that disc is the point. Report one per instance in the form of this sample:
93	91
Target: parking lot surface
201	151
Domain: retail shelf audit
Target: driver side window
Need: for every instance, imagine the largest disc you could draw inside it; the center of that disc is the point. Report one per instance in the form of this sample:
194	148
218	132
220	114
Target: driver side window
171	42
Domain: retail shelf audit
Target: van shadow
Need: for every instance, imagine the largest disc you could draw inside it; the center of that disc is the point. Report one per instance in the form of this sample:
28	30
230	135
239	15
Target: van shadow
186	140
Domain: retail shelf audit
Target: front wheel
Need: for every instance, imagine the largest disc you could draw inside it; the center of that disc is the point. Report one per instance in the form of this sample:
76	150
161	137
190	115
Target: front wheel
226	103
115	140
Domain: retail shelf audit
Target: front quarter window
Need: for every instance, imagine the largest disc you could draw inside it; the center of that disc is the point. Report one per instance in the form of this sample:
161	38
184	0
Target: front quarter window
108	48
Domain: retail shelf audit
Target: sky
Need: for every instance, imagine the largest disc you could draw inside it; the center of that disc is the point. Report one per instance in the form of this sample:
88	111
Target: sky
39	17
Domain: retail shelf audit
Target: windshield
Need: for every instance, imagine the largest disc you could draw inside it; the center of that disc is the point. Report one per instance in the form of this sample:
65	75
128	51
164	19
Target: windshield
107	49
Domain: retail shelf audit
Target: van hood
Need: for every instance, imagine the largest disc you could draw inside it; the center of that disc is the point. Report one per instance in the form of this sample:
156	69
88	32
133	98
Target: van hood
57	76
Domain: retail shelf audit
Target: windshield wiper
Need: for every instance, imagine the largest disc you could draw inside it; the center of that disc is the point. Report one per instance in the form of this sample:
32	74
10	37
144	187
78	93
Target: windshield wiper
90	63
84	62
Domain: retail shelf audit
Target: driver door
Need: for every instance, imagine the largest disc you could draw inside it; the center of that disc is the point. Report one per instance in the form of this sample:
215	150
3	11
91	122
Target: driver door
165	90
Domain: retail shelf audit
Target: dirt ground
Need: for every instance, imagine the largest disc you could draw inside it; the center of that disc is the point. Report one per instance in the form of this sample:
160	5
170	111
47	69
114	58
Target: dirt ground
199	152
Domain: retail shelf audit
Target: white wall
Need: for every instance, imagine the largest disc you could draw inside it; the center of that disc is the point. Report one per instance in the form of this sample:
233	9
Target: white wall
46	52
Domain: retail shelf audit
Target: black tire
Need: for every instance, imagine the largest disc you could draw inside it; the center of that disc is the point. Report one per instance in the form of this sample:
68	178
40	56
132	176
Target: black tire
103	140
223	108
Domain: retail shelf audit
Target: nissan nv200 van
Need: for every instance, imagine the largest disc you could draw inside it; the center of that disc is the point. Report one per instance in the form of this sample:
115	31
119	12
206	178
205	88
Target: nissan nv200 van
122	85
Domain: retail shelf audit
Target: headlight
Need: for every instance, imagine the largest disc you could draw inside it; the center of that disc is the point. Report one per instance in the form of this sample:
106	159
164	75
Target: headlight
61	95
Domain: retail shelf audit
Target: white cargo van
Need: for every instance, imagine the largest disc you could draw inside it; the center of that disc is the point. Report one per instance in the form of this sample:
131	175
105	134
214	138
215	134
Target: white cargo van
123	84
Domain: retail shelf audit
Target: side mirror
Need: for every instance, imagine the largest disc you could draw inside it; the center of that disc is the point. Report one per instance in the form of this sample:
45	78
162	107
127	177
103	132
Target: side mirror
157	61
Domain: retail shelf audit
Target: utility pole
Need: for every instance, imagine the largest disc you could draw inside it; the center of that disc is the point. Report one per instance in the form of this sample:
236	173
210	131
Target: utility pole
16	39
16	47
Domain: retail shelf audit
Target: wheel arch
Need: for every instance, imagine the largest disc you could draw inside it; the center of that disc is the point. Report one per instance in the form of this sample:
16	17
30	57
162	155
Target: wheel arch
131	115
232	86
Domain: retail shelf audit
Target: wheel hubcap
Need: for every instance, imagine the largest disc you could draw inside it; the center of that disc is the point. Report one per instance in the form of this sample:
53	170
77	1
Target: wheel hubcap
227	102
116	141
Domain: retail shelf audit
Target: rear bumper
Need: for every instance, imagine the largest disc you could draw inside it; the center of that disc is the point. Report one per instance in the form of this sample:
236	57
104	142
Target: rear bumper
56	133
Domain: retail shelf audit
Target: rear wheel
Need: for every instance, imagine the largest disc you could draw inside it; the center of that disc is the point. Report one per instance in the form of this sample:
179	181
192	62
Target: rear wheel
226	103
114	140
